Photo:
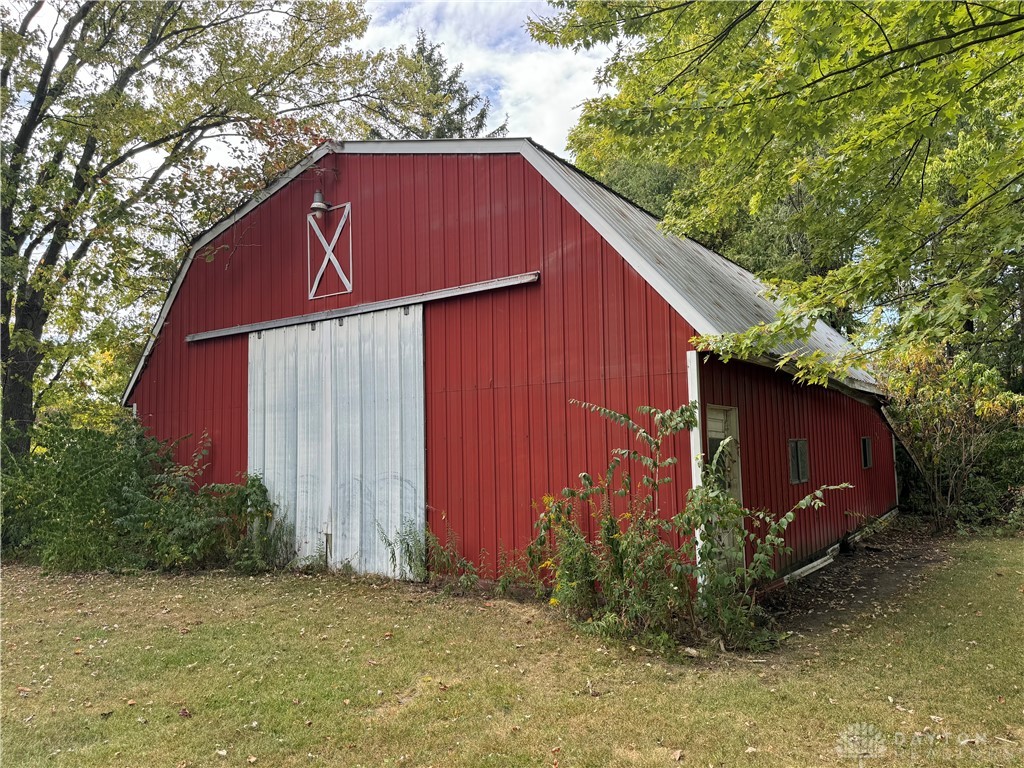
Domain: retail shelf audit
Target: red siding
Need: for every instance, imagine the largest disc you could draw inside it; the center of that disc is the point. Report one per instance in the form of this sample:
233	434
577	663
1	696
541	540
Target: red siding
500	366
773	409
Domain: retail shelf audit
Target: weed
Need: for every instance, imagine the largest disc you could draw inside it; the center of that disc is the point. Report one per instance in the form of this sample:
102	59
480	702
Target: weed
407	552
631	581
515	575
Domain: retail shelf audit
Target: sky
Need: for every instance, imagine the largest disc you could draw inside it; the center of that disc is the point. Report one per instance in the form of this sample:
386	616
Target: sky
541	89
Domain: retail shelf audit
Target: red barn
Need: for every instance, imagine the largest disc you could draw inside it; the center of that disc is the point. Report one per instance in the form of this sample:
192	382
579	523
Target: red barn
391	333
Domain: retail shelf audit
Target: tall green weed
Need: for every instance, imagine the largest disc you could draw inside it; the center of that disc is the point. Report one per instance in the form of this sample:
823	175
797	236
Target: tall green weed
633	579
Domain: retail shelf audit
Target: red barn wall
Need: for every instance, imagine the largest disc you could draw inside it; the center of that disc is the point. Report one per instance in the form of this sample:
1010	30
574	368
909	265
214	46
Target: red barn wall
500	366
773	409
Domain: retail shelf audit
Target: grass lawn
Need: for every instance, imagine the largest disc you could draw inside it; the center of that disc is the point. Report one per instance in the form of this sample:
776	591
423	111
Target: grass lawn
223	670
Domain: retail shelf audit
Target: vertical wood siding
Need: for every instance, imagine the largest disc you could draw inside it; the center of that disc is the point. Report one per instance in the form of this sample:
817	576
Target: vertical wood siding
774	409
500	367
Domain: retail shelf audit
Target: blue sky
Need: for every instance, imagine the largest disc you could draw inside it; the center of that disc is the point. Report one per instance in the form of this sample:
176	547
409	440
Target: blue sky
540	88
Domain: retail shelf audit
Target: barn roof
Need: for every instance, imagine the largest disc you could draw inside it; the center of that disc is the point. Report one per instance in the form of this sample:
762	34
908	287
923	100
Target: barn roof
712	293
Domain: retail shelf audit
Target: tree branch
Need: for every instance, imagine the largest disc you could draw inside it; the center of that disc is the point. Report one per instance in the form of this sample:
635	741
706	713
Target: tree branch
11	55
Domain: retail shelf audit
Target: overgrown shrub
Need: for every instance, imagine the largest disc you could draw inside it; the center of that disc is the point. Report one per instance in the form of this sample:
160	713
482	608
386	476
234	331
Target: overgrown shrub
1015	520
992	491
631	579
731	554
268	543
90	498
964	432
62	501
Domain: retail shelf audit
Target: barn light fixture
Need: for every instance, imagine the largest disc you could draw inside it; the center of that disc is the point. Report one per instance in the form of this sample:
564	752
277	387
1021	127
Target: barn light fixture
318	205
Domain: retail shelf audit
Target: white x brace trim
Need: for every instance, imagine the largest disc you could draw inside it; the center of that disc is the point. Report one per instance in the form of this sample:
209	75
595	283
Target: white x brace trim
329	257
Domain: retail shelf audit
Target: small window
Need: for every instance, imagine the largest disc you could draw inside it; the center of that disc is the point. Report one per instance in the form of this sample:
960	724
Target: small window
799	471
865	453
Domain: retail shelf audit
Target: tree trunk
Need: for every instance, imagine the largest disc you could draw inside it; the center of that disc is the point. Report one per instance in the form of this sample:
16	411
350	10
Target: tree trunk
21	359
19	410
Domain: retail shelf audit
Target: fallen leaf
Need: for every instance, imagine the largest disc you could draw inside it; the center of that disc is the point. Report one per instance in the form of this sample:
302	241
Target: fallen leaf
751	749
183	712
131	702
184	630
251	759
677	756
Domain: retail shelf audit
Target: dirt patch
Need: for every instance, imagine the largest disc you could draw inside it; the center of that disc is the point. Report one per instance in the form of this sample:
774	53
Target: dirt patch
869	581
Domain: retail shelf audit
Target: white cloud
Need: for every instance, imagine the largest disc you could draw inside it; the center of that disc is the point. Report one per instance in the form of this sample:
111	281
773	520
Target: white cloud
540	88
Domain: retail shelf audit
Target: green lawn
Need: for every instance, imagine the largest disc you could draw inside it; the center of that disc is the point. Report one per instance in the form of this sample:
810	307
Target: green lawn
224	670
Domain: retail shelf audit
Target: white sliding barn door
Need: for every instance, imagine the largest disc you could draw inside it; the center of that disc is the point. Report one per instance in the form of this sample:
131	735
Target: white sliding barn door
336	430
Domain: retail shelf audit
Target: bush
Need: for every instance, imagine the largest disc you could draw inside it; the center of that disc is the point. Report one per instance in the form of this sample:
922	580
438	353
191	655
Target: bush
964	430
61	502
90	498
992	490
632	580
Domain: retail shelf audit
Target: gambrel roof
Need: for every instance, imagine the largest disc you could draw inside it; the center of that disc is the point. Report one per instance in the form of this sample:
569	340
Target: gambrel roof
710	292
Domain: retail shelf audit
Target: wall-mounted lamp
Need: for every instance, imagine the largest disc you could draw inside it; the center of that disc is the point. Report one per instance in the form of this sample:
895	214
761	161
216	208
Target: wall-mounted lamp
318	206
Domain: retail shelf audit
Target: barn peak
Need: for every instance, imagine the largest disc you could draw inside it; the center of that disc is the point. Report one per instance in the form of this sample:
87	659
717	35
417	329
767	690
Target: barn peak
713	294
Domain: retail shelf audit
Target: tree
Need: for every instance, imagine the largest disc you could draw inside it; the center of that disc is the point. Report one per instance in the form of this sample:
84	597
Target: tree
109	113
429	101
769	243
949	413
640	175
889	132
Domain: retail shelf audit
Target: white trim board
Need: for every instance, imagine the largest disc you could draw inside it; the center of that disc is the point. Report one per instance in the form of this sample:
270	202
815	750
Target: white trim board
696	434
362	309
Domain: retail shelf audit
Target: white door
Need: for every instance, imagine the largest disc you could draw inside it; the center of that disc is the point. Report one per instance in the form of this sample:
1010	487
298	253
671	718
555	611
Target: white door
336	430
